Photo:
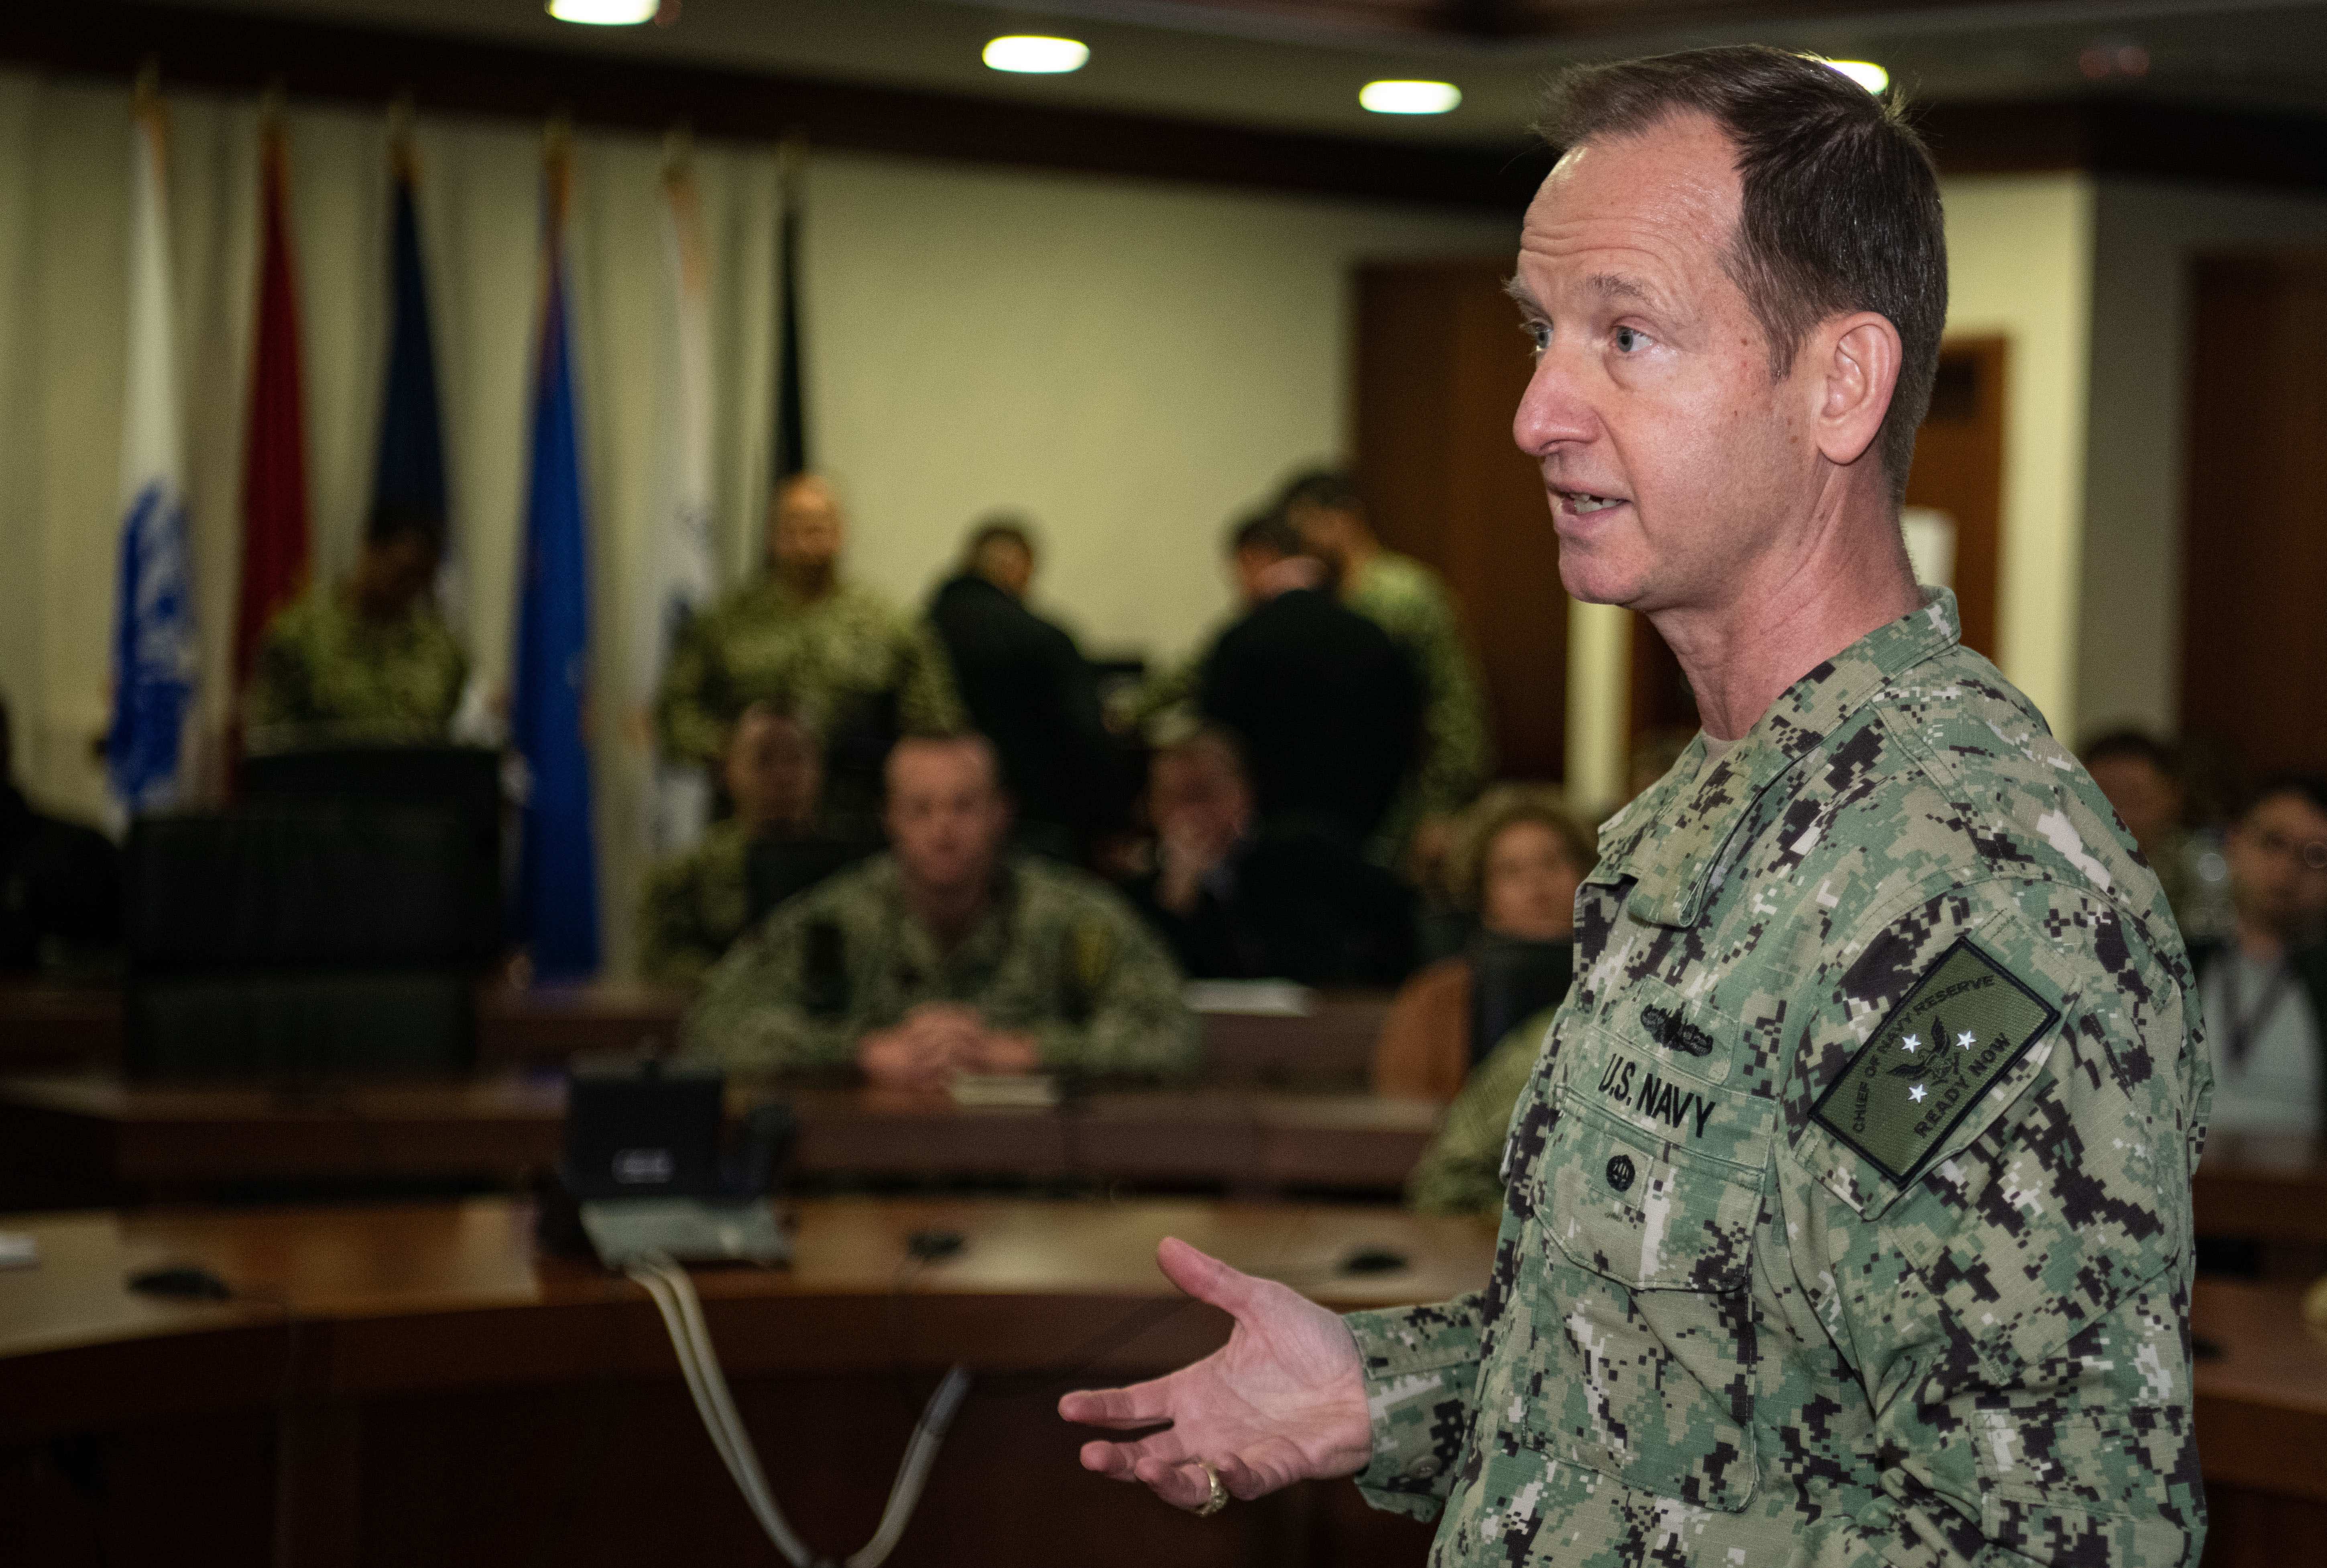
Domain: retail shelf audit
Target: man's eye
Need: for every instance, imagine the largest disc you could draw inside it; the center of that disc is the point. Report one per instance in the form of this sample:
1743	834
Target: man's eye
1628	338
1538	334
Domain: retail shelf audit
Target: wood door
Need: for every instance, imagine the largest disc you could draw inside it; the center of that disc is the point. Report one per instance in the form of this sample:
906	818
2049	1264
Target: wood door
1958	469
2254	513
1440	367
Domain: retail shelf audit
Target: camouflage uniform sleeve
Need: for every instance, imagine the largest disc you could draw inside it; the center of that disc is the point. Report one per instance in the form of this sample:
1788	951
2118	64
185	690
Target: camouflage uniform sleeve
673	948
1137	1024
1421	1368
278	695
1457	752
1462	1171
927	703
1166	689
2016	1306
753	1015
690	718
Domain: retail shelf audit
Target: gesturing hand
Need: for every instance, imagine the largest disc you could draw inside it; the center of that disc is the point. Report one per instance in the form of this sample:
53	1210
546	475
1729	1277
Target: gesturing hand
1283	1400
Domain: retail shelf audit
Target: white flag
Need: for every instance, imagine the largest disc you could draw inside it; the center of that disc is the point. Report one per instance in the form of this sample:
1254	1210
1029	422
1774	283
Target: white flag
679	580
154	652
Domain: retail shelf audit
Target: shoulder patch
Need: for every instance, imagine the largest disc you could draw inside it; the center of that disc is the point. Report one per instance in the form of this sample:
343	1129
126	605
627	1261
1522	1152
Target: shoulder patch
1961	1028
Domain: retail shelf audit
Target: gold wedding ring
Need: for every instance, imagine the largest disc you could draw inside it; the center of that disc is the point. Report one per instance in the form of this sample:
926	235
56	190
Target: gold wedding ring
1220	1497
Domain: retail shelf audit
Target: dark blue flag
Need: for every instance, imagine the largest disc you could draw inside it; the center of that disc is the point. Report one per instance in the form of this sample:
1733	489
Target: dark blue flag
557	878
410	473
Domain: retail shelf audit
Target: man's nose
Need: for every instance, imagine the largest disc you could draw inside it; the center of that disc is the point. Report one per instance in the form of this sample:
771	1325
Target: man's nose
1555	409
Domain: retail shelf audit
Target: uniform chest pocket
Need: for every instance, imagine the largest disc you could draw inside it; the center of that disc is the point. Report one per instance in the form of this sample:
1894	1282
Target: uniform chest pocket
1647	1252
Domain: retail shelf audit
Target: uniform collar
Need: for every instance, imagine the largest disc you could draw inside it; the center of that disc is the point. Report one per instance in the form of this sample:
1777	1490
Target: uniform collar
1670	840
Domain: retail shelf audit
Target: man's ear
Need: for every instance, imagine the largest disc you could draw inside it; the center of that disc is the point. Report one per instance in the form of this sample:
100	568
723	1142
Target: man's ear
1857	360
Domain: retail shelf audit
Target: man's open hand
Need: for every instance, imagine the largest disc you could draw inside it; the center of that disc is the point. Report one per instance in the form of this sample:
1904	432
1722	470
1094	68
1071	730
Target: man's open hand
1283	1400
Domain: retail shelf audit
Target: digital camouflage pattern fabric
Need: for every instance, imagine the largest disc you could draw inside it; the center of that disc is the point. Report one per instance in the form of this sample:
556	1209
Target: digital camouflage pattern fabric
1060	955
1716	1331
854	669
326	676
695	906
1406	599
1462	1171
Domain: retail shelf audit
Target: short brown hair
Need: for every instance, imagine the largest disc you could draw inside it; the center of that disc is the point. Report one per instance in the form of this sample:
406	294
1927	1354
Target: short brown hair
1841	205
1498	809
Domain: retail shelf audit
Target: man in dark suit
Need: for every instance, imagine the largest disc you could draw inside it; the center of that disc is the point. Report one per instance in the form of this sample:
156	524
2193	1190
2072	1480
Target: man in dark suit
1236	902
60	882
1030	691
1327	707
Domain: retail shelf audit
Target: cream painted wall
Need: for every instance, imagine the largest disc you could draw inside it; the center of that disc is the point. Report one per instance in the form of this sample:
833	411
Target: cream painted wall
2019	265
1130	362
2145	235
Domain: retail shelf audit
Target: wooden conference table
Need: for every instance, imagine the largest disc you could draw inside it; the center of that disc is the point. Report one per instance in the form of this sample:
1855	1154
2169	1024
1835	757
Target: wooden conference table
46	1028
412	1383
98	1141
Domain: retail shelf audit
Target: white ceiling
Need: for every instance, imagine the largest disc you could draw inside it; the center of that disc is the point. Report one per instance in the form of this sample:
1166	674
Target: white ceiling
1175	57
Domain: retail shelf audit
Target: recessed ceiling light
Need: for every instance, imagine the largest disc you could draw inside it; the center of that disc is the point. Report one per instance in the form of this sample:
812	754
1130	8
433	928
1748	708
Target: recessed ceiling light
1032	55
604	13
1864	72
1409	97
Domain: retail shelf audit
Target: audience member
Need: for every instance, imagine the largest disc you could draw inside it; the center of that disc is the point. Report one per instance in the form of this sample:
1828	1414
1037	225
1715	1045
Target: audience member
1237	902
1253	543
1517	860
2142	779
2265	984
697	905
366	661
1029	690
1462	1171
60	882
1411	602
945	955
859	673
1326	706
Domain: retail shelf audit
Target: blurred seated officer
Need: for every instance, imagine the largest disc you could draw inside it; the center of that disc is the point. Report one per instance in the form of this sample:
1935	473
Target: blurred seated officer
945	956
1462	1171
858	672
697	905
1029	690
1517	860
60	882
2142	779
1327	708
366	661
1411	602
1236	903
2264	985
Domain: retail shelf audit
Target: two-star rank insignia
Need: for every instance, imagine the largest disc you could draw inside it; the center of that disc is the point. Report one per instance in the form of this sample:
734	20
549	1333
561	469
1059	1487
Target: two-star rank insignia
1961	1028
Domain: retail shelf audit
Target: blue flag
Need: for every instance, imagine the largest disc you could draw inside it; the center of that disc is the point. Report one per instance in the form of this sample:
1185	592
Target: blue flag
557	878
410	473
153	649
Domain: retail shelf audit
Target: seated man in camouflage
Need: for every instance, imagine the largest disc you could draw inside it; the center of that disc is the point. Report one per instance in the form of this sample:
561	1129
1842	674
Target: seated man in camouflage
945	956
366	661
1462	1171
697	905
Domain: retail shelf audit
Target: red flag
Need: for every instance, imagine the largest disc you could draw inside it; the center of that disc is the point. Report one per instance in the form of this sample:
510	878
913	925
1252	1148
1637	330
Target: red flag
275	449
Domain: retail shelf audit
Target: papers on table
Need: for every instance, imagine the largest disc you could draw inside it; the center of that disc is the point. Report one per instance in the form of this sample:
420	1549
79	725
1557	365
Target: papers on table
1255	998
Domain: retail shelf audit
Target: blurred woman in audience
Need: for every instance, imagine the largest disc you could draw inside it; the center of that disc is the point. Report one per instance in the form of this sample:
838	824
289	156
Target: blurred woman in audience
1516	862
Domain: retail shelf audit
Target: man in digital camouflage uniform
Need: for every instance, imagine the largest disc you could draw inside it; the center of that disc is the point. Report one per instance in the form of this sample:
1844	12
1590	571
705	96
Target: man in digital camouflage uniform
1848	1218
364	662
945	956
857	671
1411	602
